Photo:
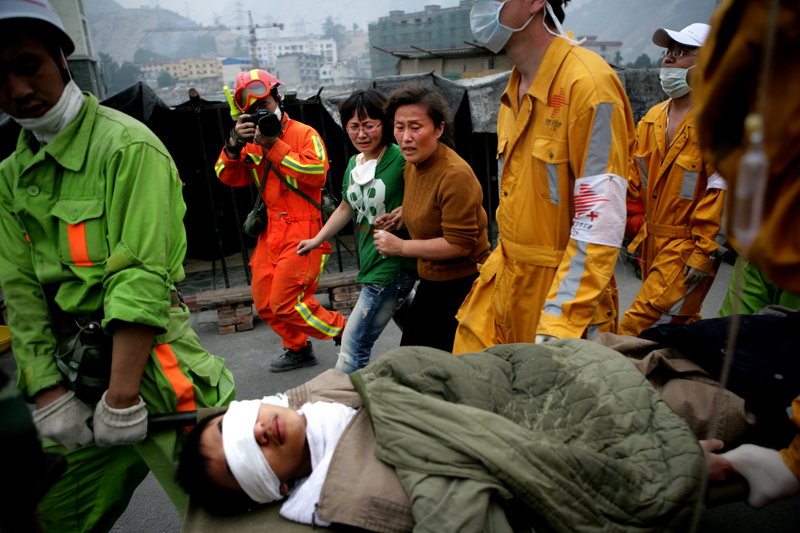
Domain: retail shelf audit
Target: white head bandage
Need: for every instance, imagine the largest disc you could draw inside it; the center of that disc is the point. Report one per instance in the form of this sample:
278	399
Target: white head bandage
244	456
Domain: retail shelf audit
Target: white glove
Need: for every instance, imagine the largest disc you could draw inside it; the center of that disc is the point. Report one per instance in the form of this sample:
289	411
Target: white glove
693	276
767	474
64	421
113	427
544	338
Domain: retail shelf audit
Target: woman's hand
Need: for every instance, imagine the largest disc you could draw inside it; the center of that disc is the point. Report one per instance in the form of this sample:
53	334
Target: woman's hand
388	244
390	221
305	247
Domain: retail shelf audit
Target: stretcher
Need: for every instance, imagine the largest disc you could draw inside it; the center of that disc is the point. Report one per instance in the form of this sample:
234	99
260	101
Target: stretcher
267	517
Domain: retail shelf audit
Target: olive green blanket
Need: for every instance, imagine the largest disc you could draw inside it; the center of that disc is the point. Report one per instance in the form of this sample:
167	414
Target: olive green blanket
566	436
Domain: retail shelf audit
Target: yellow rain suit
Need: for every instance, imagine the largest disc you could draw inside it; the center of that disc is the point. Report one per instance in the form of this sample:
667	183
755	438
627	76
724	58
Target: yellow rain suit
563	157
683	200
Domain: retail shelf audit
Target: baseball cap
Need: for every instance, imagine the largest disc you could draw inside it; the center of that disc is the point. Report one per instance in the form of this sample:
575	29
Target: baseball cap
692	35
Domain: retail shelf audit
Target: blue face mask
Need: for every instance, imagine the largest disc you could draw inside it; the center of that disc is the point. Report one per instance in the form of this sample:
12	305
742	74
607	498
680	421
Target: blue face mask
484	20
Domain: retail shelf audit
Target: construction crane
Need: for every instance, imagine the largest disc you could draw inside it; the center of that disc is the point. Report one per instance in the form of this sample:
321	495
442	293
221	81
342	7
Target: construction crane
251	28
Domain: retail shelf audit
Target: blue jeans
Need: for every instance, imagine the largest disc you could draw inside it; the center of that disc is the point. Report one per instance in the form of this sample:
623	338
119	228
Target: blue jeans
376	305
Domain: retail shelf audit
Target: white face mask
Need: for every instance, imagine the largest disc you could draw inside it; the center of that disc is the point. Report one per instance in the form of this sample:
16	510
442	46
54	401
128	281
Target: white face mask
484	19
673	81
61	115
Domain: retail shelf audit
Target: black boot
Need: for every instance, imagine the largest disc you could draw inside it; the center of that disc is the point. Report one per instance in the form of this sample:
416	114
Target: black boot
292	359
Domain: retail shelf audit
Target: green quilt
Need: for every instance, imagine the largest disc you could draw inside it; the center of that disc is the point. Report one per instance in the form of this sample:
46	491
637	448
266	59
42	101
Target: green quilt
566	437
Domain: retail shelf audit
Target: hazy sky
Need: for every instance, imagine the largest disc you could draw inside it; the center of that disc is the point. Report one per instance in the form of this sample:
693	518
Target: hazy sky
310	12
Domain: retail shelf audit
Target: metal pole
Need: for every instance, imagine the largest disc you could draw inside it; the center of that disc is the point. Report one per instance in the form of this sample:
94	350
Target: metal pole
245	258
206	168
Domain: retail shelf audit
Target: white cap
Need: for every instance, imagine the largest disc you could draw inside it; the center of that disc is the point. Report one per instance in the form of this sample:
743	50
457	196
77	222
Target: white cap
39	10
692	35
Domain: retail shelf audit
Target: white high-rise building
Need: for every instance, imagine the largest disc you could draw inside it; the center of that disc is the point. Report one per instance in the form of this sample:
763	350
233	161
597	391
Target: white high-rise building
271	49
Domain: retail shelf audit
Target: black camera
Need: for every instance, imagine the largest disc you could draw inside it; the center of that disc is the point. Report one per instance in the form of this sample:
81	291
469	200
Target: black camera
268	123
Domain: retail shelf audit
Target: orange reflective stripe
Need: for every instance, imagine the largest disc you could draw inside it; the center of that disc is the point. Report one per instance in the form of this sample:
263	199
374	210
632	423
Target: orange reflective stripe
77	245
184	390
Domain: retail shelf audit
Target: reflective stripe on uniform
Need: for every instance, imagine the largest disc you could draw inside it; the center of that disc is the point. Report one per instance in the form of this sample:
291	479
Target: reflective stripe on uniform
303	310
552	181
644	170
77	245
314	168
675	310
689	184
597	155
311	168
219	167
184	390
568	288
319	148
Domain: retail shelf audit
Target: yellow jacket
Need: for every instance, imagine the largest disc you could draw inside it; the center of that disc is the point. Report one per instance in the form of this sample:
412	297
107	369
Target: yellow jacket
574	122
682	195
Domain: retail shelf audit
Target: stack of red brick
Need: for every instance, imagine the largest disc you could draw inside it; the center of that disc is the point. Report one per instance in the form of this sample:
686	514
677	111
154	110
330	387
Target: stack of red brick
236	317
343	299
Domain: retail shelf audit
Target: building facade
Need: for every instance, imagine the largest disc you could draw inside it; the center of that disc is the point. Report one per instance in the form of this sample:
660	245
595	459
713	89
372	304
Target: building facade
186	69
299	70
608	50
271	49
432	29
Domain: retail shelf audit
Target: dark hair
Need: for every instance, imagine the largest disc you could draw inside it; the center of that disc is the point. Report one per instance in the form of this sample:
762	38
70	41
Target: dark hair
192	475
558	10
363	104
428	98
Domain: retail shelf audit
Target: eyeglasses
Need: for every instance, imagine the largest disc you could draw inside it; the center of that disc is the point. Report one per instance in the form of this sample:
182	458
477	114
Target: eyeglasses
352	129
677	54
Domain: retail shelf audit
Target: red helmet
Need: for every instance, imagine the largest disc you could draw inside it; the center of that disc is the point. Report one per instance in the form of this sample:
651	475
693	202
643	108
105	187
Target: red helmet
253	86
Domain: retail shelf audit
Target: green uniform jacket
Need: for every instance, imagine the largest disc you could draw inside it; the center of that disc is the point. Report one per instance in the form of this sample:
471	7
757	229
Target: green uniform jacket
98	210
570	430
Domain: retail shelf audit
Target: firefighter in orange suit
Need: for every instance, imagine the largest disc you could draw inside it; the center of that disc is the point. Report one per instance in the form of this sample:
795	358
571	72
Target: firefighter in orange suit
682	197
283	282
564	132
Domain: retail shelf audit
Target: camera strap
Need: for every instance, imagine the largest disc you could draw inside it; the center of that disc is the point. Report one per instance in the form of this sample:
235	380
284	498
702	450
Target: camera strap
289	185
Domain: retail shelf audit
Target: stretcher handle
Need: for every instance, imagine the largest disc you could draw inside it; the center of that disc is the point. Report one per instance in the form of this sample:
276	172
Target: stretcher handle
168	421
731	490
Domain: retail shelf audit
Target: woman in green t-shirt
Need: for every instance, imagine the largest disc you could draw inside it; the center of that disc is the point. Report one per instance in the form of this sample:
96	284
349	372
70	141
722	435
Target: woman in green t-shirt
372	186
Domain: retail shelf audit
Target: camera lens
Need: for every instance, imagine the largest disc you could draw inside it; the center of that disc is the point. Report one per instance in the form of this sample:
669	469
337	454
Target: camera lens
270	125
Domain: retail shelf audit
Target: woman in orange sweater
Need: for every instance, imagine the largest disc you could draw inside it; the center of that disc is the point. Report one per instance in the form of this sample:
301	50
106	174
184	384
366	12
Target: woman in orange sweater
443	212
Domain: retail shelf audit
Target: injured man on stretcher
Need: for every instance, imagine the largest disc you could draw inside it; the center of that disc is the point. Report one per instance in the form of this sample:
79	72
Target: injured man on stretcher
563	436
559	437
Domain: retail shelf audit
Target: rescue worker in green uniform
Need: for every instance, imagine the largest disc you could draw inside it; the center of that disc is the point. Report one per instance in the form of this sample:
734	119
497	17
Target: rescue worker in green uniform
92	236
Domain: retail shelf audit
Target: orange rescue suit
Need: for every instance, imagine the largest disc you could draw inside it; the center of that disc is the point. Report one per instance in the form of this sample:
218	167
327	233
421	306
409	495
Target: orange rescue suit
283	282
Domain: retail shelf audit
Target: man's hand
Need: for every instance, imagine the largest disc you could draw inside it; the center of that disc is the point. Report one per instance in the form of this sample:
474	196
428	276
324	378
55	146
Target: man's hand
390	221
265	142
388	244
113	427
63	419
693	275
244	129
